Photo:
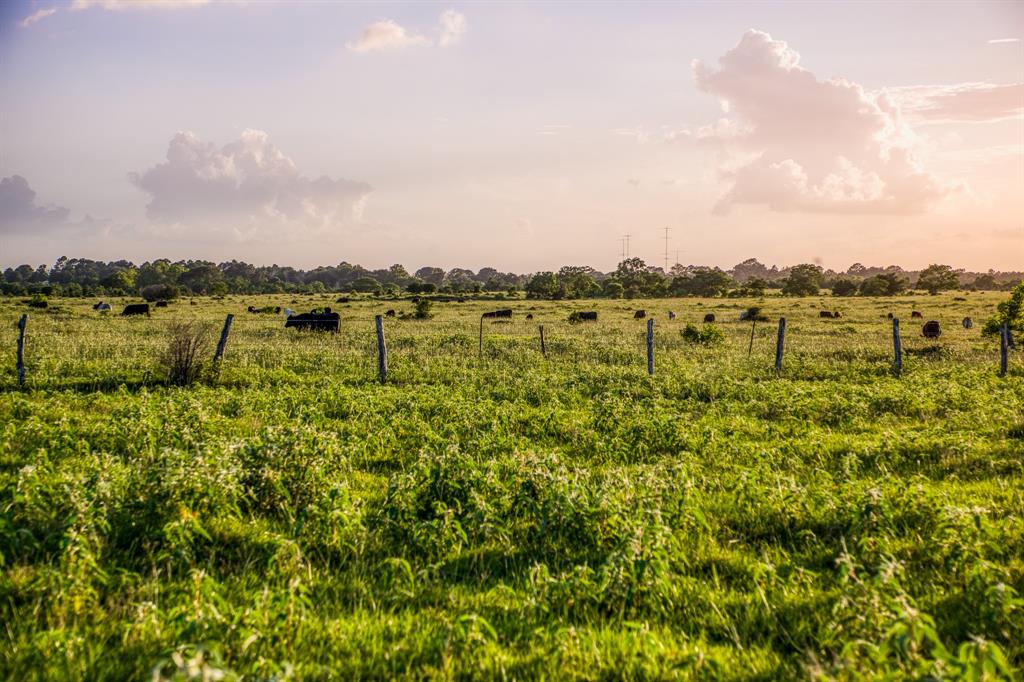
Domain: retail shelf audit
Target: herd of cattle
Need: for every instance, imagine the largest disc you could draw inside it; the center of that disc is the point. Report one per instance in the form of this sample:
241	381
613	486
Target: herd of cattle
326	320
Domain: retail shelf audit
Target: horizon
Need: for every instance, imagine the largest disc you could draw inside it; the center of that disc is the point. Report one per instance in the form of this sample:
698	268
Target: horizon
518	136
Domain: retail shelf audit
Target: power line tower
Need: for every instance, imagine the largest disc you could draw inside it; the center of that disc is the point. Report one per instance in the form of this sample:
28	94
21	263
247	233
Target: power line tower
627	246
666	250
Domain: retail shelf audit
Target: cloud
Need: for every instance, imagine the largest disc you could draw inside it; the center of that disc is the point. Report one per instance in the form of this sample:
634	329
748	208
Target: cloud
247	186
36	16
117	5
960	103
997	41
387	35
19	210
453	28
807	144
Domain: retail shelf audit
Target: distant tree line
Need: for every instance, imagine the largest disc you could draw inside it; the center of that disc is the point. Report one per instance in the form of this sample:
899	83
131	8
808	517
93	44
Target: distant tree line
633	278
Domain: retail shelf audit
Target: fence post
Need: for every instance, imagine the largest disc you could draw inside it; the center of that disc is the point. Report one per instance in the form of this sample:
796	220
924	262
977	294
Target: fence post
751	348
543	350
480	352
779	344
217	356
382	350
897	346
21	350
1004	333
650	347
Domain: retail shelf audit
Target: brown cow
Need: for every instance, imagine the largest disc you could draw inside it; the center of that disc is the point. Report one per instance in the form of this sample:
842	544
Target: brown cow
640	314
916	313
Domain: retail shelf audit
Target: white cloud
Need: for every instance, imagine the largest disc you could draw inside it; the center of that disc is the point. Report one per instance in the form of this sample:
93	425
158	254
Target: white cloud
38	15
19	211
136	4
387	35
248	187
961	102
453	28
997	41
811	145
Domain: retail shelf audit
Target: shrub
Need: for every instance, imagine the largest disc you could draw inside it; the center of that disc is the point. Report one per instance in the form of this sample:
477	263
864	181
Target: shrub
423	307
187	345
1010	311
709	335
37	301
754	314
159	292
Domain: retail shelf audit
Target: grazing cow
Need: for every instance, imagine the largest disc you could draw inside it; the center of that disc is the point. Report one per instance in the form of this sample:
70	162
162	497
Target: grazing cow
671	315
640	314
529	316
930	330
968	323
499	313
390	313
583	316
192	303
323	322
889	316
343	299
744	314
161	304
136	309
916	313
826	313
836	314
288	312
460	300
709	317
251	309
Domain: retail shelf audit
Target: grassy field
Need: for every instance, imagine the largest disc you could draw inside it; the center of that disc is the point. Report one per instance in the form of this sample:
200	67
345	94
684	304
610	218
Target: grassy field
513	516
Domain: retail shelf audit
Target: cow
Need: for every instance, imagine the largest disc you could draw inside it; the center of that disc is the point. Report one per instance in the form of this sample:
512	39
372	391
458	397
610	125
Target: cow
826	313
390	313
507	312
968	323
837	314
744	314
671	315
136	309
583	316
529	316
916	313
101	307
460	300
343	299
930	330
709	317
640	314
161	304
251	309
889	316
314	321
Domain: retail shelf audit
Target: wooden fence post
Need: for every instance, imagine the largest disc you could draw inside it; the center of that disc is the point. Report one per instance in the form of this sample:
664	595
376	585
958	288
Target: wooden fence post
650	347
222	344
382	350
897	346
543	350
480	353
1003	343
21	350
779	344
751	348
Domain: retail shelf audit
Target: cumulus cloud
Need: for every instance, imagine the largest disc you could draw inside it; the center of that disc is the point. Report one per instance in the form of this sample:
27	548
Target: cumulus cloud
808	144
37	16
135	4
248	186
960	103
19	210
387	35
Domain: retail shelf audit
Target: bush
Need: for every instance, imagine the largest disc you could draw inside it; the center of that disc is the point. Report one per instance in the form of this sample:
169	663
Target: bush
754	314
709	335
423	307
159	292
187	345
1010	311
37	301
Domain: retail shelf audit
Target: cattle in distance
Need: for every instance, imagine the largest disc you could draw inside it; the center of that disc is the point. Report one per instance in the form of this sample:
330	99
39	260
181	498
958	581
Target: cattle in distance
136	309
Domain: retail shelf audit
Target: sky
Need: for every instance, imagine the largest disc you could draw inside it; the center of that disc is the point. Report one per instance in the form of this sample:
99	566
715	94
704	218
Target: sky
521	136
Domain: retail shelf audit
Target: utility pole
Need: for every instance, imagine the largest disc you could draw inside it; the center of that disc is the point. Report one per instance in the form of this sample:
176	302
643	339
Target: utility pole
627	246
622	243
666	250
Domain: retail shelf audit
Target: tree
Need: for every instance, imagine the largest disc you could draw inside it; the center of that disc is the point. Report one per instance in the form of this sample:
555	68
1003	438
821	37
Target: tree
1010	312
433	275
936	278
985	282
803	280
707	282
844	287
885	284
543	285
613	288
577	281
637	279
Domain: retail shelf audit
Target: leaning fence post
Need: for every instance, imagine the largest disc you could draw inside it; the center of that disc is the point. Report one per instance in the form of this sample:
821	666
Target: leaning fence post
480	352
650	347
543	350
223	339
1004	333
751	348
897	346
382	350
21	350
779	344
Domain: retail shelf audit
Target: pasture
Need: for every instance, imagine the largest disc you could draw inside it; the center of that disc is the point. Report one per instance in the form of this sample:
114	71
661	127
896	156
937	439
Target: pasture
503	514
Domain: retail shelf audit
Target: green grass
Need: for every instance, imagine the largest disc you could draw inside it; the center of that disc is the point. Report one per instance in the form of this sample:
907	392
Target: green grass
513	516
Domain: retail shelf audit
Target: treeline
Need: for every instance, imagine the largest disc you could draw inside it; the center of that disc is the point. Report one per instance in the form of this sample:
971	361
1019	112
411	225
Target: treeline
633	278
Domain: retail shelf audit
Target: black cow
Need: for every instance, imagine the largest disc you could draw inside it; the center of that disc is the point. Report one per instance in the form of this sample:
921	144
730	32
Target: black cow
968	323
640	314
930	330
837	314
826	313
460	300
136	309
161	304
499	313
343	299
709	317
529	316
583	316
889	316
313	321
390	313
671	315
916	313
